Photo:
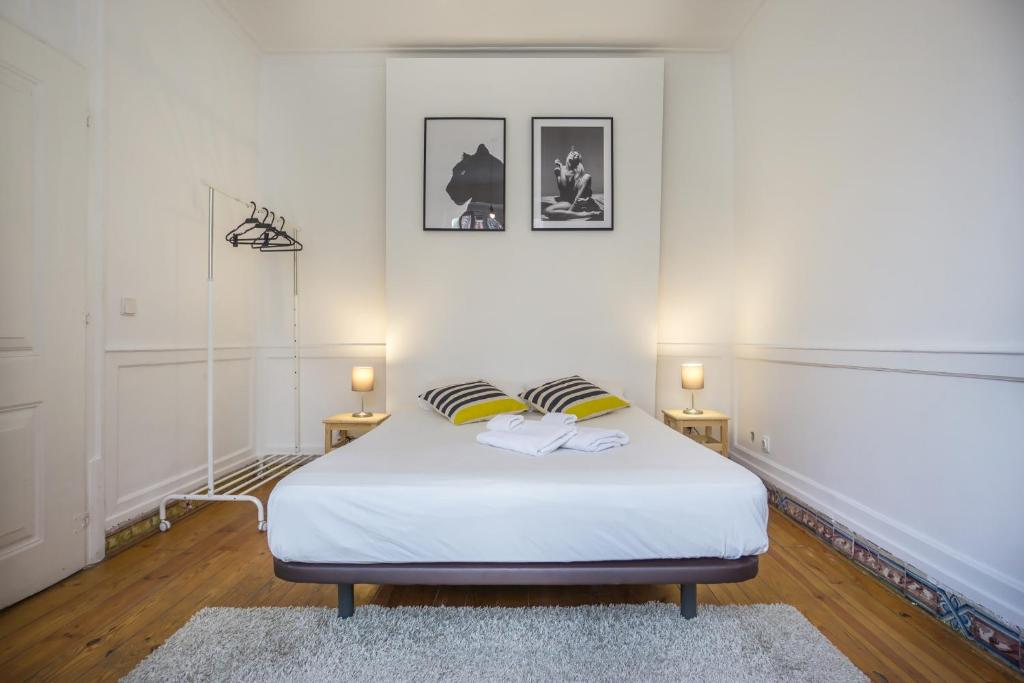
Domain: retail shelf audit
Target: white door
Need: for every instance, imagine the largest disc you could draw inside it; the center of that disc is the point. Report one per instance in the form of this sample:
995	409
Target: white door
43	191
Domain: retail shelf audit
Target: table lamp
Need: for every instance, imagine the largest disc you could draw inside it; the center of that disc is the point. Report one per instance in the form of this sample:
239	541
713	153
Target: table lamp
362	381
693	379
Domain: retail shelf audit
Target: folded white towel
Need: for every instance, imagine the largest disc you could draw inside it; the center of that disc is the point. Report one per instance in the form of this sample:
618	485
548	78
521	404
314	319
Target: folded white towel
593	439
532	438
505	423
559	419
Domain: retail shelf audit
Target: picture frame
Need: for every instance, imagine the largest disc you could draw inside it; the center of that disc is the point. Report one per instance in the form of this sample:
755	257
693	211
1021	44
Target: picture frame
574	194
464	174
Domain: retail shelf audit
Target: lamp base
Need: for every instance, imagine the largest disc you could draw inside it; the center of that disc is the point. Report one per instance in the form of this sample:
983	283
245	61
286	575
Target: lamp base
362	413
693	411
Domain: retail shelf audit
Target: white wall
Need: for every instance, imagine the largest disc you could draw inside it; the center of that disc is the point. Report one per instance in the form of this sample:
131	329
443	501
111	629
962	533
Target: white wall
695	287
322	161
880	161
180	85
522	305
325	164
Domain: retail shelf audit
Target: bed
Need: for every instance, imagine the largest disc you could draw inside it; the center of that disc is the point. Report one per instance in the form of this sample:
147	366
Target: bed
418	501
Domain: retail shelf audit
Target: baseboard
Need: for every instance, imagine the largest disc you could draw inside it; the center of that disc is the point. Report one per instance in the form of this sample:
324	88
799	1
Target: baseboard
982	626
126	535
930	557
138	504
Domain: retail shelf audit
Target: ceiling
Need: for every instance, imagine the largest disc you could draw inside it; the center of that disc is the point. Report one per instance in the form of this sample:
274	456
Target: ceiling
330	25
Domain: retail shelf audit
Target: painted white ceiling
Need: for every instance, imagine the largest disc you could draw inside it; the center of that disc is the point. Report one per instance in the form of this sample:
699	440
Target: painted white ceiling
324	25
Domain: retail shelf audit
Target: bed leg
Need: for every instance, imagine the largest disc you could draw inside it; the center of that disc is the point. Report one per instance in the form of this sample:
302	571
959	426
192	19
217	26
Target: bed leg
688	600
346	600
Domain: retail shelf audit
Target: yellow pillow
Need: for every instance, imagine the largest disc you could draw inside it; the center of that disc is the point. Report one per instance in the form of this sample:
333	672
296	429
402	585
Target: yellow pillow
573	395
472	402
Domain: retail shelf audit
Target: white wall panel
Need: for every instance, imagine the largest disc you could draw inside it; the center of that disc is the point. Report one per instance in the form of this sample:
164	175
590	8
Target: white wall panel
879	163
326	389
523	303
182	86
155	423
697	275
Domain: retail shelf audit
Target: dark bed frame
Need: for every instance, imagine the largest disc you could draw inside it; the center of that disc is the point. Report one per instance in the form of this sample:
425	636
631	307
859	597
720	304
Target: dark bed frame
687	573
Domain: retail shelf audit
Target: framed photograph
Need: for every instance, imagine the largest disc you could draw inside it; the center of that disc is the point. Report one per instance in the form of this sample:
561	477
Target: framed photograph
572	173
464	173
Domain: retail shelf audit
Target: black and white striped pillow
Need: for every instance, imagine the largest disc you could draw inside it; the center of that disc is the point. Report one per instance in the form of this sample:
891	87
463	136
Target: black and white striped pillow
573	395
471	402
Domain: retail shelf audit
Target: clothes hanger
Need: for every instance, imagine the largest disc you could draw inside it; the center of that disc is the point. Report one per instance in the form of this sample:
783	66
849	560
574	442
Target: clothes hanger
232	236
267	235
247	236
278	239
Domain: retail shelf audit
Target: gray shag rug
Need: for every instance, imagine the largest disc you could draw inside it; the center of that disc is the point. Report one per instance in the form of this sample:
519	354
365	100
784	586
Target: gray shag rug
648	642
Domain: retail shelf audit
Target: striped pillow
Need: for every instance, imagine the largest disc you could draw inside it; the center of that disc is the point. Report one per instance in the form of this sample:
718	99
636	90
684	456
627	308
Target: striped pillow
472	402
573	395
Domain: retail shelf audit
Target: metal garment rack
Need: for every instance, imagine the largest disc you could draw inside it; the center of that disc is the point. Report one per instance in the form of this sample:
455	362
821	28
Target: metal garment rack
239	484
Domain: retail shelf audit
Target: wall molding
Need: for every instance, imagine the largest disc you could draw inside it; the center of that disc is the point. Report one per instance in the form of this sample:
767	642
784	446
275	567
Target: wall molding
1001	366
694	349
940	350
325	351
999	592
178	348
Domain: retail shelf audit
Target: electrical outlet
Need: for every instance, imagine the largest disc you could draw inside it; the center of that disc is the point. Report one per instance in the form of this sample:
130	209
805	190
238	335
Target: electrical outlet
766	444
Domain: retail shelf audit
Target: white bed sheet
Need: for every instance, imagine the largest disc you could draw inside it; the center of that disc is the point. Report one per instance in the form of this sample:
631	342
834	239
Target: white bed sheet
418	489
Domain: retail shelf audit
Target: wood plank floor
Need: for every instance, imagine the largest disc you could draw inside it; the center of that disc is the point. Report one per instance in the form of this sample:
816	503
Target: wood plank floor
97	624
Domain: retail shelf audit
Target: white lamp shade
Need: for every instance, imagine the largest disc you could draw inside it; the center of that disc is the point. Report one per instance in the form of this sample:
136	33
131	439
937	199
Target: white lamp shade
692	376
362	378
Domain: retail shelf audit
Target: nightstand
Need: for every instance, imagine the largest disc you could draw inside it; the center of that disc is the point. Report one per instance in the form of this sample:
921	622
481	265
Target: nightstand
698	428
348	427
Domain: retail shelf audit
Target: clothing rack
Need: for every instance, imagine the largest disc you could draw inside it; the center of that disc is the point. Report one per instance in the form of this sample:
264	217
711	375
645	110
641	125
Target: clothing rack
239	484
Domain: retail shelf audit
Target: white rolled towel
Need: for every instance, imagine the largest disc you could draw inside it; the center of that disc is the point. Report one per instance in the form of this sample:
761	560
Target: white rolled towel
559	419
593	439
505	423
532	438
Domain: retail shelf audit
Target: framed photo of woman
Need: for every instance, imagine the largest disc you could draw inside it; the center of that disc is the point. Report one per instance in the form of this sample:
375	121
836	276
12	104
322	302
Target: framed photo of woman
572	173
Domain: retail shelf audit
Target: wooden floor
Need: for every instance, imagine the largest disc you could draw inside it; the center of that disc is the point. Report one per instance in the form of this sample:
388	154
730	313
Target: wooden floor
97	624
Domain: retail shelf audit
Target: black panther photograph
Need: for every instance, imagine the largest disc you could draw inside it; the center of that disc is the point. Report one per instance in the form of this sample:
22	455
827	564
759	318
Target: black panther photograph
464	174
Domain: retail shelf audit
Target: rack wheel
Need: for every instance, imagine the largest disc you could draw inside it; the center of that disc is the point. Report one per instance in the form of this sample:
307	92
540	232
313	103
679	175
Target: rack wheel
164	525
261	526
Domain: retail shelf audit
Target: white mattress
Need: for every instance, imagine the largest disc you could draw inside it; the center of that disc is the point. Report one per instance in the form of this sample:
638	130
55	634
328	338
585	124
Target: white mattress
418	489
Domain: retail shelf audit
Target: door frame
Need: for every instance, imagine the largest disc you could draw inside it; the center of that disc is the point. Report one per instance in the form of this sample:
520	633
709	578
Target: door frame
95	333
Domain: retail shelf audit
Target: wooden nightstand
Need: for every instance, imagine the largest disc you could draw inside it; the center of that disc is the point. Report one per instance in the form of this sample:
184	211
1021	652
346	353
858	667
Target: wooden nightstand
698	428
348	427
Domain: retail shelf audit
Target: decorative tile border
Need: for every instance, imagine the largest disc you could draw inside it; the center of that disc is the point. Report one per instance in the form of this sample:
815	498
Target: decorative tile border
975	623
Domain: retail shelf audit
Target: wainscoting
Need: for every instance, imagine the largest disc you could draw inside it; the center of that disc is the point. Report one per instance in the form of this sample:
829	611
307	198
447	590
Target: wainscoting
326	382
836	417
902	448
154	432
154	435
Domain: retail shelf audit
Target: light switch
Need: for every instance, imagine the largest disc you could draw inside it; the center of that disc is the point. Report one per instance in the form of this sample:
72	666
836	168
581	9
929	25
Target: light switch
128	306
